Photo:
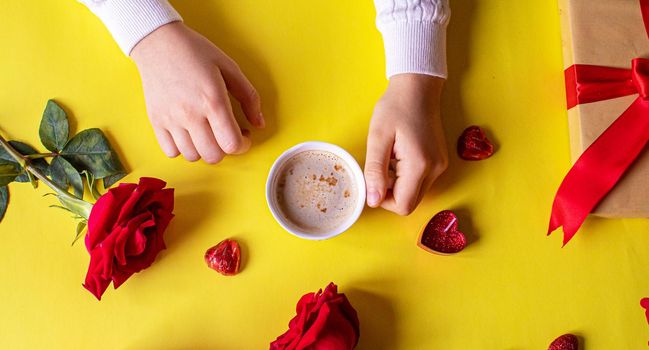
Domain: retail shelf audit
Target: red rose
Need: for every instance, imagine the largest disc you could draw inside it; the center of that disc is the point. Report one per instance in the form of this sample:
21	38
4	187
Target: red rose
324	321
125	232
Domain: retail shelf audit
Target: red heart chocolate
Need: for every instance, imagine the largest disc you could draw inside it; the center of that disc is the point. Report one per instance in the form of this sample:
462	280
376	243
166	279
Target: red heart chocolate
441	236
224	257
473	144
565	342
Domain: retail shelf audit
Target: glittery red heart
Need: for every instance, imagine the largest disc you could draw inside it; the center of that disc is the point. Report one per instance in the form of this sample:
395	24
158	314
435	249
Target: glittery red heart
565	342
644	302
473	144
224	257
441	236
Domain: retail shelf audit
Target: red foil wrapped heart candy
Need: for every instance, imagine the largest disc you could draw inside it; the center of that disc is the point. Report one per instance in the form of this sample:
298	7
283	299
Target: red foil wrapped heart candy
565	342
473	144
441	236
224	257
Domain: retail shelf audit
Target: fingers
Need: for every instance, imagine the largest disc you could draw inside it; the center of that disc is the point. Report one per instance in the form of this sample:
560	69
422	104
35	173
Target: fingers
166	142
379	149
407	188
194	144
208	137
241	88
425	187
405	197
206	145
185	145
392	173
224	126
436	169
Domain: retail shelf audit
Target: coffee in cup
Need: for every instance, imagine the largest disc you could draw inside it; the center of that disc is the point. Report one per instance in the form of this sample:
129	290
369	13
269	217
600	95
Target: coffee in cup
314	192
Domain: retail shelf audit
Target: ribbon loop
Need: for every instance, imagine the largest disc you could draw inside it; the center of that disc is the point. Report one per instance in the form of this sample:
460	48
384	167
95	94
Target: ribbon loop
587	83
640	76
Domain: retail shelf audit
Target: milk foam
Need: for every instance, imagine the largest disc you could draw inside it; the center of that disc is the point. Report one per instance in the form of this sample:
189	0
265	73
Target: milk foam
316	191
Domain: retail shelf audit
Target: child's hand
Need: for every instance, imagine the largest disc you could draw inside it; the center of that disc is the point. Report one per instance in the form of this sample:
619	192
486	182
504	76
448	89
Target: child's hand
406	137
186	80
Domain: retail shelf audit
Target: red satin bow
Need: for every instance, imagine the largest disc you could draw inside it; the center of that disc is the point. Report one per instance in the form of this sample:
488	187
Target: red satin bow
603	163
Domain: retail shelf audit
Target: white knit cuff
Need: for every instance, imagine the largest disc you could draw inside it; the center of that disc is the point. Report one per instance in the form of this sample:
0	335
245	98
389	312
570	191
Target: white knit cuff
129	21
415	47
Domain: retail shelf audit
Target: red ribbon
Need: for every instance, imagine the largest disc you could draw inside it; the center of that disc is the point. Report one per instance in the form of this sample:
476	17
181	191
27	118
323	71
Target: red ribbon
602	164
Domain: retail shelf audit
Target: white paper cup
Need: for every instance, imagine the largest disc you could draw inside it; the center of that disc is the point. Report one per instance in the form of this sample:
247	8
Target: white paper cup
271	189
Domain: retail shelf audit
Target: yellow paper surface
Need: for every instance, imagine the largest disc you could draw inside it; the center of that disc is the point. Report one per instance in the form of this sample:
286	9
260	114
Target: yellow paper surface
319	69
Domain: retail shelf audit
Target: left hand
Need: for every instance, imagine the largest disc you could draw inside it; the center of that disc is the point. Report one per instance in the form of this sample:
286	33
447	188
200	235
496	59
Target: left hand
405	136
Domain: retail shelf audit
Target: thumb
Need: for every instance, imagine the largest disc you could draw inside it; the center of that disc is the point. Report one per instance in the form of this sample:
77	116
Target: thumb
379	149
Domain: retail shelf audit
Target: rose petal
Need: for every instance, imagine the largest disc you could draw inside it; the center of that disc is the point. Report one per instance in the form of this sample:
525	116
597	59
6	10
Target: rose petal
127	211
151	184
324	320
311	335
330	330
120	276
140	262
125	232
105	251
136	243
96	285
103	214
162	220
144	188
163	200
100	269
129	234
166	199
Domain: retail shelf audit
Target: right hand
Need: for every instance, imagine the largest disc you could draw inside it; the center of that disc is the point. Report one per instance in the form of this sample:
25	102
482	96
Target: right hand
405	134
186	80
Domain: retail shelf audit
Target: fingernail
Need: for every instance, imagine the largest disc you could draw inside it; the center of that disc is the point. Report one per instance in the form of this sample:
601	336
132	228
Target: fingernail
373	198
261	120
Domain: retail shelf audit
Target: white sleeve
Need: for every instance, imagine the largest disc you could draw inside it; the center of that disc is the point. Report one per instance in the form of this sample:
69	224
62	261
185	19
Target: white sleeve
129	21
414	35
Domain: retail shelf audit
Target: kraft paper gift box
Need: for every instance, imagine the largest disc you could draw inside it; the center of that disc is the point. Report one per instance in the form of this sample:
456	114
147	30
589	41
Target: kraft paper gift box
606	33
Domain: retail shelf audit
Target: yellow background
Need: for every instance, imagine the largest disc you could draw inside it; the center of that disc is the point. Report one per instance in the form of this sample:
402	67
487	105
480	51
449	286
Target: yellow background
319	67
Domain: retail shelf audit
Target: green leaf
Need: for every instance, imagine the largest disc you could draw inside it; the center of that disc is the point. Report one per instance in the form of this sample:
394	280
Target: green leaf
90	150
65	175
8	172
54	130
4	201
80	227
25	150
112	179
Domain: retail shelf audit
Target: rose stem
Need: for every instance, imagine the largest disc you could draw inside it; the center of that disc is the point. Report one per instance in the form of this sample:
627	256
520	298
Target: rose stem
75	204
40	155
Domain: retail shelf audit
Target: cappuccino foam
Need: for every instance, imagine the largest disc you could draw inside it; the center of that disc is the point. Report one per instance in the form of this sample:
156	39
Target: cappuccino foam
316	191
